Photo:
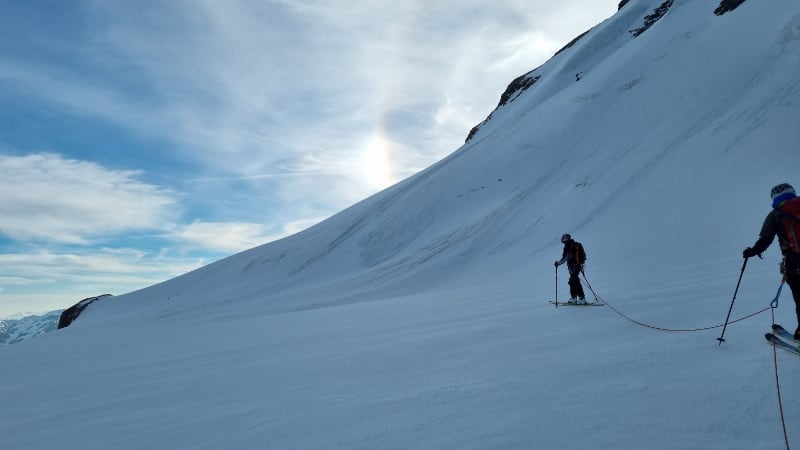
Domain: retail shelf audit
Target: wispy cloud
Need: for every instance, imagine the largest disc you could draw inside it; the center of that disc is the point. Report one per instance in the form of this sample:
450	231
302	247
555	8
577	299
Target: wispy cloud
224	237
247	86
49	198
42	280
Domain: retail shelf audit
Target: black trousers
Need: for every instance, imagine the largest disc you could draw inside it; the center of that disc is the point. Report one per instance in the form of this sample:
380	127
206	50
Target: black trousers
576	289
791	262
793	280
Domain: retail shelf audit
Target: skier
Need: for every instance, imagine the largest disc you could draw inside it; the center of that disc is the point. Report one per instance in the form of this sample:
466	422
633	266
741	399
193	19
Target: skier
783	221
574	256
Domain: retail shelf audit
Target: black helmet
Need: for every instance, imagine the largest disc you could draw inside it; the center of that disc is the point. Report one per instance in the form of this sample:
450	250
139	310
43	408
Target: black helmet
781	189
781	193
566	238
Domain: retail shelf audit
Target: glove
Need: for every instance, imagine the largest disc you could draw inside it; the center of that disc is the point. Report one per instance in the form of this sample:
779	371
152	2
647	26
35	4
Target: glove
748	253
556	263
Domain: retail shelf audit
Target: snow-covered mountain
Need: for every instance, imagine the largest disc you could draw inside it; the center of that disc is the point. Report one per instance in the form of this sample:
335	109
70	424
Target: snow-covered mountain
419	317
13	331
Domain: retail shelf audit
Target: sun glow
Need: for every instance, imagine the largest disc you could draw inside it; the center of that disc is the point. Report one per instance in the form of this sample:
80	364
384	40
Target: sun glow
377	162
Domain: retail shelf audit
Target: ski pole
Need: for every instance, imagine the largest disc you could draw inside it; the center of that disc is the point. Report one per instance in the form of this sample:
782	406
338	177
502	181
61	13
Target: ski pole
556	285
720	338
596	298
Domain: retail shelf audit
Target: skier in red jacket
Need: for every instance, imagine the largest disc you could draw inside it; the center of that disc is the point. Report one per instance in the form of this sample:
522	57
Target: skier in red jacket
784	222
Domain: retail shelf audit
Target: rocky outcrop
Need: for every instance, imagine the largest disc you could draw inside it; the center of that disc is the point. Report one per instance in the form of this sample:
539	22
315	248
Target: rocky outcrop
652	18
518	86
727	6
70	314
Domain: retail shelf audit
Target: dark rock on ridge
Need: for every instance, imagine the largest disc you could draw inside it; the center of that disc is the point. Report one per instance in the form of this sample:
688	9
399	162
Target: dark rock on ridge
70	314
519	85
652	18
727	6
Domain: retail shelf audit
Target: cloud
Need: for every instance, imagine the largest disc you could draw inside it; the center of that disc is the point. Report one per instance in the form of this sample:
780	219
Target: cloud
50	198
246	86
17	281
42	266
43	280
224	237
233	237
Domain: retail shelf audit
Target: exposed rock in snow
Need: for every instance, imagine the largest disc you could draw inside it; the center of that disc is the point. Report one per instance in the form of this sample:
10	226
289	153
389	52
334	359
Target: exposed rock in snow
651	19
727	6
70	314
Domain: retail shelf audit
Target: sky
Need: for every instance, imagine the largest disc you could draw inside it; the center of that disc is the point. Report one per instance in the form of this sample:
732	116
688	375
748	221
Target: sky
141	141
420	318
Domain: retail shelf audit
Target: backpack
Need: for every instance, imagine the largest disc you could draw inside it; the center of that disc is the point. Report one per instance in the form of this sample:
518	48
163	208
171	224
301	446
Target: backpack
580	253
789	217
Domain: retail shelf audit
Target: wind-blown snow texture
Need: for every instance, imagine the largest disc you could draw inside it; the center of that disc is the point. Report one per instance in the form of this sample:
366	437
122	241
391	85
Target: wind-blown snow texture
419	318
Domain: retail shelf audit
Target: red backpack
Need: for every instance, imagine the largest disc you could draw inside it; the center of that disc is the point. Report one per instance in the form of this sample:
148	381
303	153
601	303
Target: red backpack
789	215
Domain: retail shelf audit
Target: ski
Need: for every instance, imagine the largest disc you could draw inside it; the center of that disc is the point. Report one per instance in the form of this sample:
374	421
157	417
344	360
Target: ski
783	345
576	304
783	333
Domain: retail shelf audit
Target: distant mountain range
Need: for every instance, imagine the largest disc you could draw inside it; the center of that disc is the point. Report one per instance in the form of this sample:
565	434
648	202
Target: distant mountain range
17	330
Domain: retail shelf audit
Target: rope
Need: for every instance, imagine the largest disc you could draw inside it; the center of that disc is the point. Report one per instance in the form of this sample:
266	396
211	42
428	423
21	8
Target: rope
618	312
778	380
772	307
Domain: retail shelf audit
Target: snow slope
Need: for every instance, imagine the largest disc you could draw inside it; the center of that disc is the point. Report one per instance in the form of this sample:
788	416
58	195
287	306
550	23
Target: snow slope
418	318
